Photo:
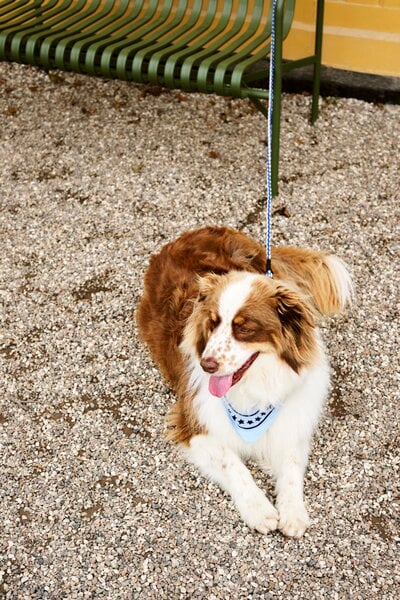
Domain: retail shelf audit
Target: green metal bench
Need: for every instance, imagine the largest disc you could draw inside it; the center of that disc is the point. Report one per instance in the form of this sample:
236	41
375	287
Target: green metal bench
210	46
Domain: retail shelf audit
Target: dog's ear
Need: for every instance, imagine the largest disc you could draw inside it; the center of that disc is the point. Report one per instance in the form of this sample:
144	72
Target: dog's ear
297	321
207	285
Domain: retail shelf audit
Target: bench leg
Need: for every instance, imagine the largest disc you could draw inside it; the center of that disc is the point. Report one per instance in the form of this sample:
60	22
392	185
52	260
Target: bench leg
276	110
277	99
317	59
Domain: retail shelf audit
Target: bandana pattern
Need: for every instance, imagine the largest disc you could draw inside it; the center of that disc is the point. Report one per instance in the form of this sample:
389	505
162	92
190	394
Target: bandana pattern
251	426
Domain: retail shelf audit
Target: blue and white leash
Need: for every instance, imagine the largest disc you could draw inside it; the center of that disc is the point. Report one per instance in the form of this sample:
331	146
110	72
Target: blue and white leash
269	142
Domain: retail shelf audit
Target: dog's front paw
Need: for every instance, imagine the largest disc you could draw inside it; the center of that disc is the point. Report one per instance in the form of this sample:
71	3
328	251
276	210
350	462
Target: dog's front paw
293	520
259	514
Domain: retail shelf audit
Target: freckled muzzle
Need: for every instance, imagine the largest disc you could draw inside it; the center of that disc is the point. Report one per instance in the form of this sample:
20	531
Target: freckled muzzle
219	385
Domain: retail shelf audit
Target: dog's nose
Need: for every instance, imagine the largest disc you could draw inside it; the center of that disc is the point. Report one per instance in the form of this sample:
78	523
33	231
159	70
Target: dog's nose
209	364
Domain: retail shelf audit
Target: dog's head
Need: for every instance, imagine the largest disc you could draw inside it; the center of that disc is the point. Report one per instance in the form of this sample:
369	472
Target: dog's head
239	315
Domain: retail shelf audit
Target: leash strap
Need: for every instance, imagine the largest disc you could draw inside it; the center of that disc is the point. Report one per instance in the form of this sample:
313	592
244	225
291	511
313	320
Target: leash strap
269	142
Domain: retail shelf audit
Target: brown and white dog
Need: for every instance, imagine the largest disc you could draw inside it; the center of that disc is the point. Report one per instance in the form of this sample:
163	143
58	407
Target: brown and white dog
244	356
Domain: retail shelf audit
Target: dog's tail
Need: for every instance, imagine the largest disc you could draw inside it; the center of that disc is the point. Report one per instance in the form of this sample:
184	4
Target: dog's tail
323	277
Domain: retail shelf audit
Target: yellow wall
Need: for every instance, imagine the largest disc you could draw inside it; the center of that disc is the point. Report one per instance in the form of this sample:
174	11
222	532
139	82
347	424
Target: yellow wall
359	35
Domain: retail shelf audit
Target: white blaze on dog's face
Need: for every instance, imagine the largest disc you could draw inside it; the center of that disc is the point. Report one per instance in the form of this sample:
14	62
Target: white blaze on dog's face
222	344
238	316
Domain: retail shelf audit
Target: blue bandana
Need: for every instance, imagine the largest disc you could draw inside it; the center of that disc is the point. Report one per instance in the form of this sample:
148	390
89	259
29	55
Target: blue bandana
251	426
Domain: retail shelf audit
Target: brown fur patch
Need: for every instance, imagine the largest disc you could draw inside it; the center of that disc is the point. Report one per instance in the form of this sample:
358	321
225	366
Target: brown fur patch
182	423
282	317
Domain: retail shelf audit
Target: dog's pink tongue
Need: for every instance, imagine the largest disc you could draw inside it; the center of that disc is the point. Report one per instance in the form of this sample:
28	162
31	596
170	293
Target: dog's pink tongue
218	386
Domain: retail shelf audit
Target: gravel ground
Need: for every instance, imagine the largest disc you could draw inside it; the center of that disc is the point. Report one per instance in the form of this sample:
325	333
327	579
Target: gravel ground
96	176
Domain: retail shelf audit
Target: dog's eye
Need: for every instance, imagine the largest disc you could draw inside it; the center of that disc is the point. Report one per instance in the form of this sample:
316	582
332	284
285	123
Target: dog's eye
244	331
